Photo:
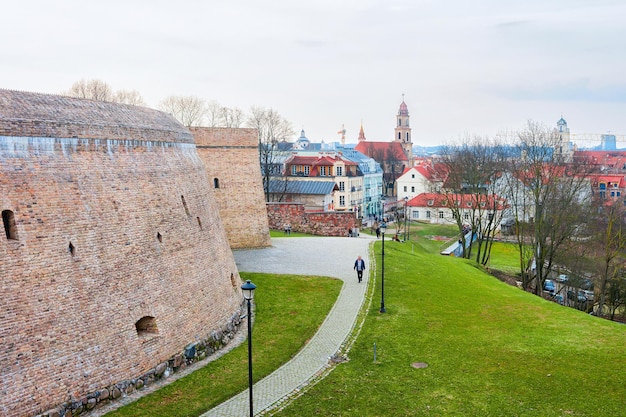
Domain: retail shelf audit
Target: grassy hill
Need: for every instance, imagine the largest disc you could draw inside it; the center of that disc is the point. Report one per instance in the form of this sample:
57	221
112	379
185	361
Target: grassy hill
491	349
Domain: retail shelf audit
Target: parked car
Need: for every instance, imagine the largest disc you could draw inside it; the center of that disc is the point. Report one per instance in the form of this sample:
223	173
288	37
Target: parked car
549	286
562	278
588	294
576	296
559	299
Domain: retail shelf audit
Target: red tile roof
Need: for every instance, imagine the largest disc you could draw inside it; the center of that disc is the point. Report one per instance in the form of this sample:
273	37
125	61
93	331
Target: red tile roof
379	150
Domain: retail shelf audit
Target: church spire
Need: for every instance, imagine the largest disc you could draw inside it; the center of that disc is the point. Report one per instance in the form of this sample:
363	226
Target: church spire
361	133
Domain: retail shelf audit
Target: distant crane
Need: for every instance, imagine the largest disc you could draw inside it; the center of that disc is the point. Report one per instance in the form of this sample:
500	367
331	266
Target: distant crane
595	138
342	132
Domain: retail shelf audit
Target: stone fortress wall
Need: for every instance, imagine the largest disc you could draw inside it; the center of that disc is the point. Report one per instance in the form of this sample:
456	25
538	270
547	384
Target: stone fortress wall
237	183
115	266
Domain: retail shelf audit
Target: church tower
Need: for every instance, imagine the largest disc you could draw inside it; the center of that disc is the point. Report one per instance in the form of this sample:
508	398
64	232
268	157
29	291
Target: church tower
403	131
564	147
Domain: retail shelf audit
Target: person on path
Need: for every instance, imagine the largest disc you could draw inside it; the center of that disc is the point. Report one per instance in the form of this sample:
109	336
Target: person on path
359	266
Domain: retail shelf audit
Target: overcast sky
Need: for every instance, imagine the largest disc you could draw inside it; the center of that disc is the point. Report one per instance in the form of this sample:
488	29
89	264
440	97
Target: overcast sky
465	67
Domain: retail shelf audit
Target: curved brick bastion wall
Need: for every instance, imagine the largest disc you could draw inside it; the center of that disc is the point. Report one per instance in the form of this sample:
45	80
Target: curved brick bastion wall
114	265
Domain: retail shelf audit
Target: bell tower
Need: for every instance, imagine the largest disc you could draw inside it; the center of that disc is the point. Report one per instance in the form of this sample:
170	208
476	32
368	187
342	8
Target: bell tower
403	131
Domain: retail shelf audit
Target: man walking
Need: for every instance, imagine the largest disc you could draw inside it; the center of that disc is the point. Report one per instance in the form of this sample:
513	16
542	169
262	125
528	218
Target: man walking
359	266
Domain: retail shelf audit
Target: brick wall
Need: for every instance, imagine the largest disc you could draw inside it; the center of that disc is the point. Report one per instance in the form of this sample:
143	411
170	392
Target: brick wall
232	159
332	223
108	232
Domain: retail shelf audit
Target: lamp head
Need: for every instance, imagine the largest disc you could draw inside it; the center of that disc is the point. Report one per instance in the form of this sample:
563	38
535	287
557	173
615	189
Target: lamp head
248	290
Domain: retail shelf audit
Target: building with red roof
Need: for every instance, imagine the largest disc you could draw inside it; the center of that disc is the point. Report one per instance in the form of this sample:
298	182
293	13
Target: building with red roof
395	156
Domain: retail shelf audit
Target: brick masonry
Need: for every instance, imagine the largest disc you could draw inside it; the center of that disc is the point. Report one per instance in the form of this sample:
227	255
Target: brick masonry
232	160
115	222
331	223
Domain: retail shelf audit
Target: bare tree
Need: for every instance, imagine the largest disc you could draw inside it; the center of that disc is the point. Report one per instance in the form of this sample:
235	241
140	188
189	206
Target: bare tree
101	91
273	129
234	117
610	239
392	169
91	89
472	170
132	97
550	200
188	110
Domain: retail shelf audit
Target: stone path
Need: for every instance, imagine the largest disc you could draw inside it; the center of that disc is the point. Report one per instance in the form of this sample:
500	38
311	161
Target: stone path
333	256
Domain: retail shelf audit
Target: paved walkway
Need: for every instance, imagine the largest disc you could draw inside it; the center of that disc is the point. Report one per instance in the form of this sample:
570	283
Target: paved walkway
333	256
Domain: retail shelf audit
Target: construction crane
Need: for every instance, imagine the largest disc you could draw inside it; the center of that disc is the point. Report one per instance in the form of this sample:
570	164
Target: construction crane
342	132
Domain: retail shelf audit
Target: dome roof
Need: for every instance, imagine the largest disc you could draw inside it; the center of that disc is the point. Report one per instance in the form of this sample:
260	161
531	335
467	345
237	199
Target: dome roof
561	121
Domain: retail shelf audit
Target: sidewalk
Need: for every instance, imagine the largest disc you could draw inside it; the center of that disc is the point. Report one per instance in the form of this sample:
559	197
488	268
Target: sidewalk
332	256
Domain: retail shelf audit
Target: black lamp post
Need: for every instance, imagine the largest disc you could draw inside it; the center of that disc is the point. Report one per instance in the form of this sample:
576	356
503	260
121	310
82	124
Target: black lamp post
406	200
248	293
383	228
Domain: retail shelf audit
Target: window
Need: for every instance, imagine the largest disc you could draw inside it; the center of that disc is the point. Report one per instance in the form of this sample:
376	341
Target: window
322	171
430	202
399	135
612	193
405	188
441	214
428	214
342	201
216	183
466	216
412	175
618	194
412	189
399	122
602	194
339	171
490	216
8	219
342	186
185	204
294	170
407	133
71	249
416	214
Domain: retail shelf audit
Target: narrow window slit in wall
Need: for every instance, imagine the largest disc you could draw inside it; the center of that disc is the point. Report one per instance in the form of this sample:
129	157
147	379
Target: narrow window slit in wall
182	197
159	237
199	222
216	183
71	248
10	229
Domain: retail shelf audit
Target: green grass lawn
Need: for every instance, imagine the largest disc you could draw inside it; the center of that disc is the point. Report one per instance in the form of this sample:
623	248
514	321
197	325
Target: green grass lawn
289	310
491	350
505	257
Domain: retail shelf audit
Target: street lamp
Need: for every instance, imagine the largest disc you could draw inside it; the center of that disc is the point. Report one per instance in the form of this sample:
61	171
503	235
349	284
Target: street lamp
406	200
383	227
248	292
